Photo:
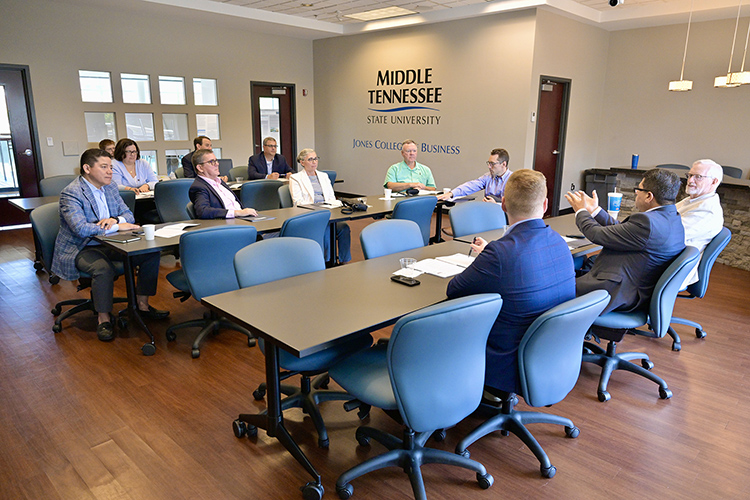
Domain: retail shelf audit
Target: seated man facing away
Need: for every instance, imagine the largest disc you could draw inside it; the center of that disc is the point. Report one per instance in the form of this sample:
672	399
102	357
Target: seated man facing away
637	251
493	182
409	174
268	164
701	212
211	197
91	205
530	267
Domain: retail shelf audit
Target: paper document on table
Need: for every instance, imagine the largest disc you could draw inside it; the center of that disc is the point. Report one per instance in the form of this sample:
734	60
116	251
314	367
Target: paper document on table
408	273
142	196
458	259
426	191
576	242
173	230
438	268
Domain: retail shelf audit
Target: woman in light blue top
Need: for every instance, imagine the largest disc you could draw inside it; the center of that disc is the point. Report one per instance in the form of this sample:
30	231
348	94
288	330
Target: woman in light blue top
129	171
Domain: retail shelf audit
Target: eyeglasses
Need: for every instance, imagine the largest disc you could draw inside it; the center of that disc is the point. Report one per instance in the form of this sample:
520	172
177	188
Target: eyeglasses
698	177
312	158
641	189
493	163
210	162
271	145
133	152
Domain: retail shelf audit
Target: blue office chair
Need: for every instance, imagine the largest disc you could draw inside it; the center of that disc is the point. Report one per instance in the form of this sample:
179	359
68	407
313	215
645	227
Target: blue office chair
418	209
45	222
276	259
262	194
431	379
331	175
549	362
312	225
171	197
473	217
234	172
180	173
698	289
389	236
734	172
52	186
190	209
129	198
657	317
207	256
285	197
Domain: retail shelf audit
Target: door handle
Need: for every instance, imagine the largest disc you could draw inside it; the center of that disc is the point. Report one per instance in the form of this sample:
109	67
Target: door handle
27	152
555	152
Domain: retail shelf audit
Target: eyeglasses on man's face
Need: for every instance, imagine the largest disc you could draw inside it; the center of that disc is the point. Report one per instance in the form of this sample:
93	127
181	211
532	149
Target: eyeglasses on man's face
210	162
493	163
271	145
641	189
697	177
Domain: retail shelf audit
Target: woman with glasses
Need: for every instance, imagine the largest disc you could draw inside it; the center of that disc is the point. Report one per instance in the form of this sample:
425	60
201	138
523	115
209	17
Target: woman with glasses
308	187
129	171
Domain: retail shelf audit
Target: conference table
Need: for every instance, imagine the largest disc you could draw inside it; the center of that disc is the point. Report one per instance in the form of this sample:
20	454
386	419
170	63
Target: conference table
333	290
272	220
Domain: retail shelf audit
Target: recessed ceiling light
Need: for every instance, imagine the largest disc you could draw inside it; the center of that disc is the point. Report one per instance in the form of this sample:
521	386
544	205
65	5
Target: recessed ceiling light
371	15
306	5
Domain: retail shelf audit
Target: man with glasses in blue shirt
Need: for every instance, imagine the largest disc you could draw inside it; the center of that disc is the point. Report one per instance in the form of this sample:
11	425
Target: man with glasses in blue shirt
493	182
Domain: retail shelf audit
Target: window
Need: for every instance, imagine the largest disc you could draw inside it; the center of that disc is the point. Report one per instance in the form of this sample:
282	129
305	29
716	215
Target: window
140	126
96	86
204	90
172	89
174	159
100	126
217	153
208	125
149	156
175	127
135	89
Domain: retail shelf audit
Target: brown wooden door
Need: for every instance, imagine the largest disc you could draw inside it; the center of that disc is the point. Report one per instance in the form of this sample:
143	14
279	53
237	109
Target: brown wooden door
550	136
274	115
19	146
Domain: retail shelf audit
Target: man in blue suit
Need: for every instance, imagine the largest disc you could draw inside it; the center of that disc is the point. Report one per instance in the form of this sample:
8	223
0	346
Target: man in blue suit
91	206
530	267
211	197
637	251
268	164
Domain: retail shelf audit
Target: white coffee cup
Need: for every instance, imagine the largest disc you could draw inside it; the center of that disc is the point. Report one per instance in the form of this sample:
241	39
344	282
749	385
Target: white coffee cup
148	231
387	193
613	213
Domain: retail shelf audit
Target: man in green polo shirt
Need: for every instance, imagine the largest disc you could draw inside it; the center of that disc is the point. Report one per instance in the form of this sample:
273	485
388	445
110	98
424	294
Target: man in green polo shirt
408	173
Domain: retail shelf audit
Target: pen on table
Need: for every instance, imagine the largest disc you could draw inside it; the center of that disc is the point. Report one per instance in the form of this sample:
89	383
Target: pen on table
472	242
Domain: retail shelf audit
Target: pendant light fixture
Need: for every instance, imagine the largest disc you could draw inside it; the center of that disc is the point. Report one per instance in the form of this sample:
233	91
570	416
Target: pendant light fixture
683	85
726	81
742	77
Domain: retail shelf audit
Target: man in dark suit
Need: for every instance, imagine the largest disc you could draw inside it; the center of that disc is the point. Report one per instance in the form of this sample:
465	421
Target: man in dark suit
637	251
211	197
530	267
200	142
268	164
90	206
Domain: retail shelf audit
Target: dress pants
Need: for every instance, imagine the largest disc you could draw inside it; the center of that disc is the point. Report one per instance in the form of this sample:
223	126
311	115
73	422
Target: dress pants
96	261
343	239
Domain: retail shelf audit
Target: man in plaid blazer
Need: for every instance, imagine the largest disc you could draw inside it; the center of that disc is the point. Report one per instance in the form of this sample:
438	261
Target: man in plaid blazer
92	206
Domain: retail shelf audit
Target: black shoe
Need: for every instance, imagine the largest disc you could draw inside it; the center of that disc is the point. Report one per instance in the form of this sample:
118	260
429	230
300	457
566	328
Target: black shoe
105	332
153	313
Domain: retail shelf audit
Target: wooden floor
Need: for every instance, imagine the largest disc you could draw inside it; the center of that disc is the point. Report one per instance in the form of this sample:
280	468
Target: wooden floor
82	419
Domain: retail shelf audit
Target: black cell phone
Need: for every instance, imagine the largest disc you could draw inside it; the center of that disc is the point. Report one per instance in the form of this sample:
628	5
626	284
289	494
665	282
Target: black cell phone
138	233
405	281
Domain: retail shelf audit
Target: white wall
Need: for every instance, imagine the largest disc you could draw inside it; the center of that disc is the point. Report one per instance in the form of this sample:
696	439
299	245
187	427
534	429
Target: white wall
56	40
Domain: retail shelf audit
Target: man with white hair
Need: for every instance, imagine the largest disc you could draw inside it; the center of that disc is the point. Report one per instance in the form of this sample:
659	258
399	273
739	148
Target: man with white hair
702	215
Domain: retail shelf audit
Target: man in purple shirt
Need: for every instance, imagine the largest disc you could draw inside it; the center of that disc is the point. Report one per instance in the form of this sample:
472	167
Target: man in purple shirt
493	182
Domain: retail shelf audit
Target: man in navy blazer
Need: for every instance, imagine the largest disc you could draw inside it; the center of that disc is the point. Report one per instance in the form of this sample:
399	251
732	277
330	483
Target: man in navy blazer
637	251
211	197
200	142
530	267
268	164
91	206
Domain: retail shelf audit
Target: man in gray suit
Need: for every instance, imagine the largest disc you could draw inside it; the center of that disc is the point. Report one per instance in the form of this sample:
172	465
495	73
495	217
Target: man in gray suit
637	251
92	206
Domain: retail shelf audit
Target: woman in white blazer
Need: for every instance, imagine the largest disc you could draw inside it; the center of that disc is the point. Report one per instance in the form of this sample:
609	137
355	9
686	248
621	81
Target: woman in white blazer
307	187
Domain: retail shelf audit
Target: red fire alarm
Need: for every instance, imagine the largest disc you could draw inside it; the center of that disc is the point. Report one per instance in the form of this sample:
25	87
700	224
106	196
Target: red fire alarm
304	92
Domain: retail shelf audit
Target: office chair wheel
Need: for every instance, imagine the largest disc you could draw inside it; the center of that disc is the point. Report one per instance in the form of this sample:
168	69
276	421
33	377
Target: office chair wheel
259	394
54	280
56	311
504	433
548	472
664	393
676	346
439	435
572	432
361	438
313	491
148	349
239	428
38	266
171	336
345	492
485	481
251	341
56	328
195	353
465	454
326	381
323	443
699	333
647	364
604	396
122	323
